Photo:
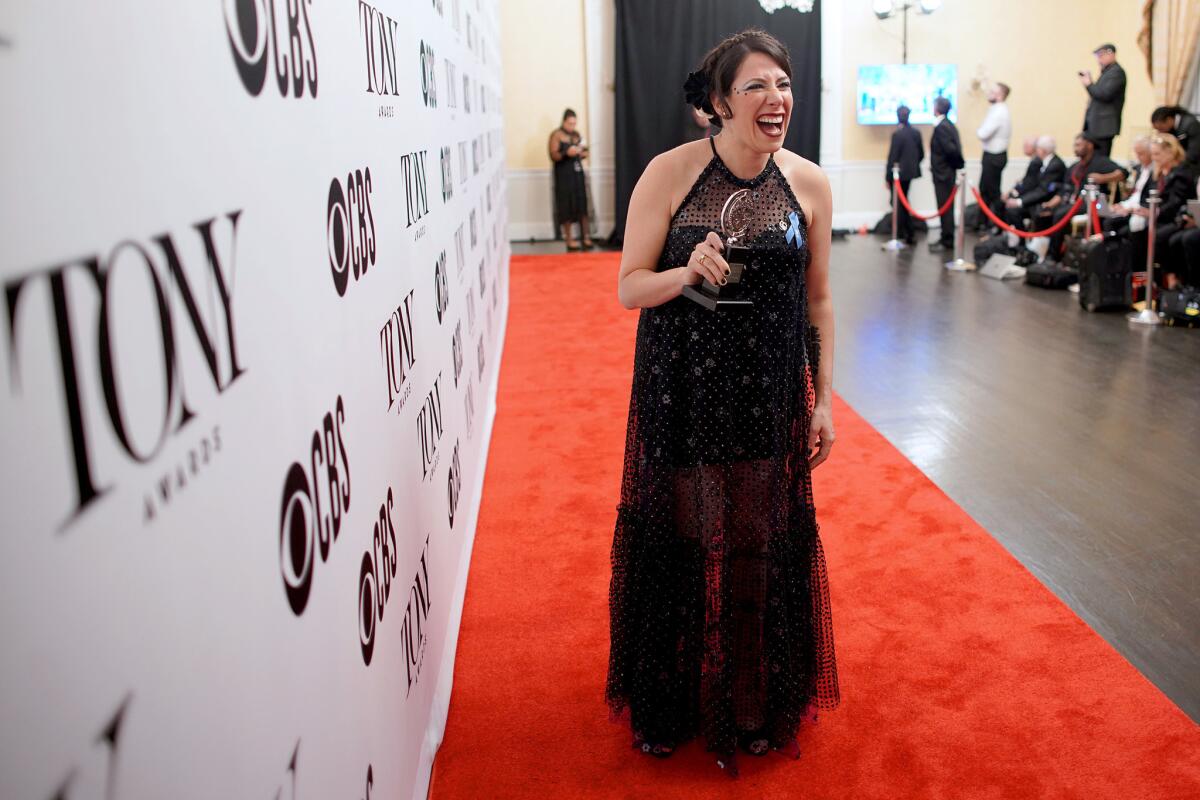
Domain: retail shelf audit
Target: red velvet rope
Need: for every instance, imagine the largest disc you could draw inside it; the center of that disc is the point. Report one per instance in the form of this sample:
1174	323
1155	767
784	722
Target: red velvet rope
1004	226
1096	218
938	213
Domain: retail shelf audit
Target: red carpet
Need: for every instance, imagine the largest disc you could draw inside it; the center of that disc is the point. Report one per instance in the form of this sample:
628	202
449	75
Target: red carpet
961	675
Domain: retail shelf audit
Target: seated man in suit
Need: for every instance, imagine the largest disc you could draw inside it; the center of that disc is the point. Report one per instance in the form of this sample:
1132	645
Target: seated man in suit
1051	174
1185	128
1091	167
1027	182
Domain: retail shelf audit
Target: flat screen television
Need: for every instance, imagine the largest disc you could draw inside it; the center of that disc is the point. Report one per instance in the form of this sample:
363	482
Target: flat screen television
882	88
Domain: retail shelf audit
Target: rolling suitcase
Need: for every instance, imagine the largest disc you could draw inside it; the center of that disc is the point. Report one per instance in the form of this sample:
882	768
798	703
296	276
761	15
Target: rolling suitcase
1073	253
1105	272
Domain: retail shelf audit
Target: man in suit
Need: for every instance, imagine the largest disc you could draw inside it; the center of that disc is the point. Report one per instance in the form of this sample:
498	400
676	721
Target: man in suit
906	152
1027	182
1184	127
1051	174
1106	98
1032	172
945	159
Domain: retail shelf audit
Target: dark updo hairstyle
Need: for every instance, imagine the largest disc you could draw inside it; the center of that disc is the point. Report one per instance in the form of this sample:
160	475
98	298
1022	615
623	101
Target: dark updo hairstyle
570	112
721	64
1164	113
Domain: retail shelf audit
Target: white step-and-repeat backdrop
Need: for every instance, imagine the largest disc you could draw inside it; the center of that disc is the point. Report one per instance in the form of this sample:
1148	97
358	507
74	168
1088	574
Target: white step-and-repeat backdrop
255	281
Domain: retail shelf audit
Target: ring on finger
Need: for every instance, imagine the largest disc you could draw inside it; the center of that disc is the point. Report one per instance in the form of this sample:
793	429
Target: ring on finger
703	256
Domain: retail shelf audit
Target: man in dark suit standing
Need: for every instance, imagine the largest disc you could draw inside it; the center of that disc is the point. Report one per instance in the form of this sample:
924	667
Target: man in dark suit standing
907	152
1106	98
945	159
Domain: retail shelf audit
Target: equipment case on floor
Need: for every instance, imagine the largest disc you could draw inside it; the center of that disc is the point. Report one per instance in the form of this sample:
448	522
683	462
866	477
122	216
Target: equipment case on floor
1105	272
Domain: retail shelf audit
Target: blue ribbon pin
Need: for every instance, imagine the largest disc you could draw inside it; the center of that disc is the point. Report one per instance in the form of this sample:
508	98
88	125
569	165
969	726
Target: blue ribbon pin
793	232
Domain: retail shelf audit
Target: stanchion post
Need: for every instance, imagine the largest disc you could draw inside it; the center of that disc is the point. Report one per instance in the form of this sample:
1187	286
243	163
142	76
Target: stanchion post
1148	316
1090	193
894	243
959	263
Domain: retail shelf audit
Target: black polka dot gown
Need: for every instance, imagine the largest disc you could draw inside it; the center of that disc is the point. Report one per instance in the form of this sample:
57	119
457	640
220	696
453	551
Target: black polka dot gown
719	601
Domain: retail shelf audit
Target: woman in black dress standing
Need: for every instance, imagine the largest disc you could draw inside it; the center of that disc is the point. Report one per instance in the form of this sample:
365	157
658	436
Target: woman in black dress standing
720	619
567	150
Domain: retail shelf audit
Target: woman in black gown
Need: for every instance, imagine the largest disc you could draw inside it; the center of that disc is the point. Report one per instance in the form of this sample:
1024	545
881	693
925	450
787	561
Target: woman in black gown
720	619
567	151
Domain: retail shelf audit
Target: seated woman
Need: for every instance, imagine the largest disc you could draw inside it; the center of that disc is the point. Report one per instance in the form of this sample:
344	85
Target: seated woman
1175	187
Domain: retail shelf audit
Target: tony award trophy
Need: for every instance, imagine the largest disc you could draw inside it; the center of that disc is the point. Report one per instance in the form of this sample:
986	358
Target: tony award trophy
735	222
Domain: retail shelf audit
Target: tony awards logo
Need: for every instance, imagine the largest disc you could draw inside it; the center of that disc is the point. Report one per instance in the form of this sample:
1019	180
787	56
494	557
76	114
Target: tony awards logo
185	357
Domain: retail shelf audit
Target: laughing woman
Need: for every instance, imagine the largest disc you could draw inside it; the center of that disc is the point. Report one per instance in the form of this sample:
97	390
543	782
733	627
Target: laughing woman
720	620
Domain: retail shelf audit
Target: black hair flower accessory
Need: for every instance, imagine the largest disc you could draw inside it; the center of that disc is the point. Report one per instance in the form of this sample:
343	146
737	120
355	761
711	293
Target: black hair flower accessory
696	90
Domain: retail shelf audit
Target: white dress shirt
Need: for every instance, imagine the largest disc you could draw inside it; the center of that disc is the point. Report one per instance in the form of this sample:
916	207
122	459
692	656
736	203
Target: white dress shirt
996	130
1134	199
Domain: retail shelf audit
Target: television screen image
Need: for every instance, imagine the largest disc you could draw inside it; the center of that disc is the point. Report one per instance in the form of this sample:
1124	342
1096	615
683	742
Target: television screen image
882	88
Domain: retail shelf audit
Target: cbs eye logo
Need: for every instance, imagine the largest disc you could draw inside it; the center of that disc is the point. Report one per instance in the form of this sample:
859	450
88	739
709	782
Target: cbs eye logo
350	228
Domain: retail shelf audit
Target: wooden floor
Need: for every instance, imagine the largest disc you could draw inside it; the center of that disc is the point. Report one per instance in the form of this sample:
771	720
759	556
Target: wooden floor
1073	438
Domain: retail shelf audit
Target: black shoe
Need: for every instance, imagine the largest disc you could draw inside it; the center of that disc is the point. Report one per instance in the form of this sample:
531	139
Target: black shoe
937	247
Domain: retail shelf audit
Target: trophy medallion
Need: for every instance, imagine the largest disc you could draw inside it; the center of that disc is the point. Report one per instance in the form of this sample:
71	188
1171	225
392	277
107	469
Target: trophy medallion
736	216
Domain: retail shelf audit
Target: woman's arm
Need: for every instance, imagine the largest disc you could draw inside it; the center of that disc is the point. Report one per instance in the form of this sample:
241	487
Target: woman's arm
556	149
646	227
820	306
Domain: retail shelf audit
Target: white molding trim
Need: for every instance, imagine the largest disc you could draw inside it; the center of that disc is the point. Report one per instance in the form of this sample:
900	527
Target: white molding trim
530	209
831	82
599	21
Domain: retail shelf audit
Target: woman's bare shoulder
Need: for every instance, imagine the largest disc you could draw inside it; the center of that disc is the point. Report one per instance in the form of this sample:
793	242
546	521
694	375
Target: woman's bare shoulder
670	174
801	172
688	159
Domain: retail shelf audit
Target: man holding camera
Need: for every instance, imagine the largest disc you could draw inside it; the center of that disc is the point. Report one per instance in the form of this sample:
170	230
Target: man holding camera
1106	98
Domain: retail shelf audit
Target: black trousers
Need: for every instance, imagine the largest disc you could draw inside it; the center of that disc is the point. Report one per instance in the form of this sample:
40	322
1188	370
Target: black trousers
1104	146
941	192
1059	238
1162	250
1017	216
904	228
1185	245
989	178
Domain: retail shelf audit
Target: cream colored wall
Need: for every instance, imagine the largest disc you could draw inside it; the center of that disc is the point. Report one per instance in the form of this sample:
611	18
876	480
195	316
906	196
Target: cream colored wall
542	50
1035	46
